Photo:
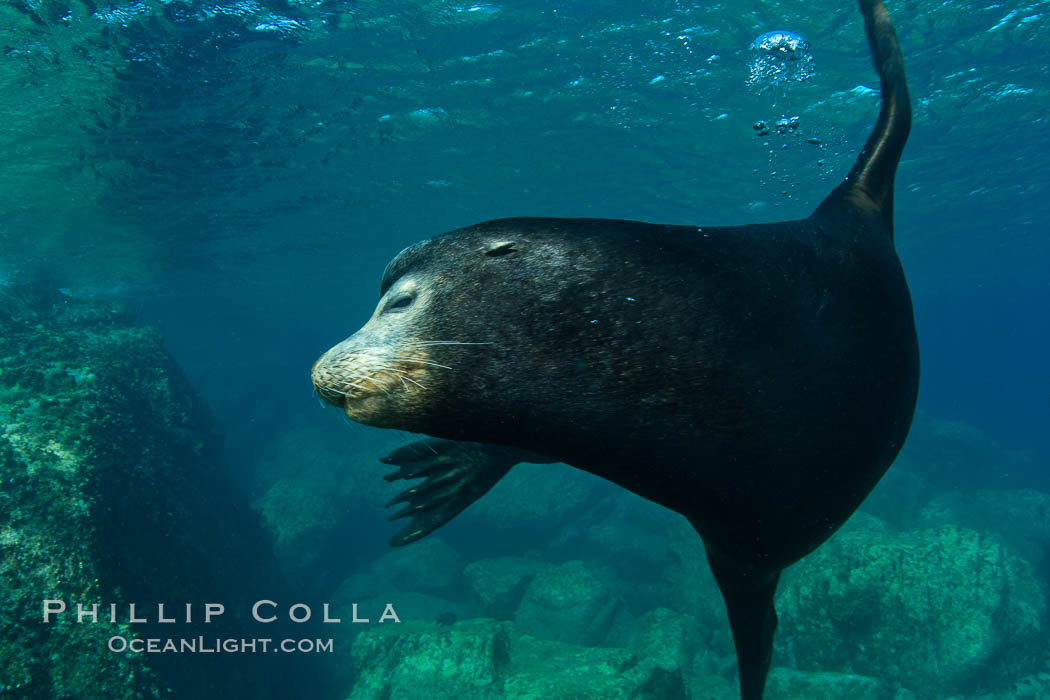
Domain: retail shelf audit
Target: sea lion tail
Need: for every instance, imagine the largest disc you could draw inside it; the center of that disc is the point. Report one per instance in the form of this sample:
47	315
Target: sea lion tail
748	596
869	184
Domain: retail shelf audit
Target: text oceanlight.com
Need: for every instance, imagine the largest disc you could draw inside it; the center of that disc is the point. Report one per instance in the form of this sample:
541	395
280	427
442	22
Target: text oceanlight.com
204	645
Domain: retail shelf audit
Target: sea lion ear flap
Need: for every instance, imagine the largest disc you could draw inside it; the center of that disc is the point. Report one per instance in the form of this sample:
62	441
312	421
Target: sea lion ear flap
496	249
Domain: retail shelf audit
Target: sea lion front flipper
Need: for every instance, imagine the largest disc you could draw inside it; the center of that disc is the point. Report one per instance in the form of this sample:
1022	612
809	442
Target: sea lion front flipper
749	601
455	475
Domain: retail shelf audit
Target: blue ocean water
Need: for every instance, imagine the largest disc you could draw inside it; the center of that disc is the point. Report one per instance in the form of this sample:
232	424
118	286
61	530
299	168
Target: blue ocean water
253	168
239	173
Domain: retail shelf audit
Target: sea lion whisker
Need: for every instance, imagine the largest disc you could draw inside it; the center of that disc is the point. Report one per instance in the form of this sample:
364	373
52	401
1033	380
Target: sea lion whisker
408	379
353	384
402	375
422	362
347	379
392	369
344	377
379	385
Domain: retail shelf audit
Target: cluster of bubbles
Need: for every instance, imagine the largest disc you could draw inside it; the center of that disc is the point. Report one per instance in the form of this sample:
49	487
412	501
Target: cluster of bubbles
788	159
779	57
786	125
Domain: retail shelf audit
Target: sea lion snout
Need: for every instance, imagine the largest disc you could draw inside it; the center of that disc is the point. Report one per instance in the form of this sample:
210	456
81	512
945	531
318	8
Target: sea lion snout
372	376
326	380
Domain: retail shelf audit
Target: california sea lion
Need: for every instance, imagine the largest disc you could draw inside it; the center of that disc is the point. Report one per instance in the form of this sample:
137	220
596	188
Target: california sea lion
757	379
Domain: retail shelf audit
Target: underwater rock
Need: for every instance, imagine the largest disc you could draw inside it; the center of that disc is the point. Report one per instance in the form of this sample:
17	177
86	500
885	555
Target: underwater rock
1020	518
363	596
421	582
416	607
557	495
319	489
500	583
938	611
544	669
713	687
669	640
315	494
693	588
357	587
486	659
951	454
898	499
667	637
300	522
430	565
624	530
788	684
468	659
567	603
111	493
1035	687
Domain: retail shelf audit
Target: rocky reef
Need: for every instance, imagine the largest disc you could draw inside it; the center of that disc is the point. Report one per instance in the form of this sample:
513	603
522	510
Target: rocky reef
555	585
941	610
592	592
483	658
110	493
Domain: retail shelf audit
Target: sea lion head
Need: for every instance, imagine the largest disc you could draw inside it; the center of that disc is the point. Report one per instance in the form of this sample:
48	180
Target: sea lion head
461	326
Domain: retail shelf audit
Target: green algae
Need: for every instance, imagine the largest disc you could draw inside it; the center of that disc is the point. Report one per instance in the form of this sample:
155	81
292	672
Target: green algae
109	493
941	611
486	659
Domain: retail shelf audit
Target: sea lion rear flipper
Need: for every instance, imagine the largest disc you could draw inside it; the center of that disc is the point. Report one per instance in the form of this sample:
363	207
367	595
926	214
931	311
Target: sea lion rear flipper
869	185
455	475
749	602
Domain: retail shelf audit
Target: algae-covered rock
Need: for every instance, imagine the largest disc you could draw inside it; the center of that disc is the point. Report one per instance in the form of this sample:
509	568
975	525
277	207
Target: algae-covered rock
624	530
788	684
317	491
487	659
556	496
361	601
898	498
468	660
668	638
430	565
1034	687
693	587
713	687
939	611
1021	518
544	669
499	583
567	603
110	493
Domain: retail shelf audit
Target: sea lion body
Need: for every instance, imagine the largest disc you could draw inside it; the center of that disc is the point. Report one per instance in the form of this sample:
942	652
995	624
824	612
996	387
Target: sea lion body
758	379
640	353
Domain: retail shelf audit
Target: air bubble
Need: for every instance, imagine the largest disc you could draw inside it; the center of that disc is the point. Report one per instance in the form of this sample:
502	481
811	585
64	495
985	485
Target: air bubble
779	57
